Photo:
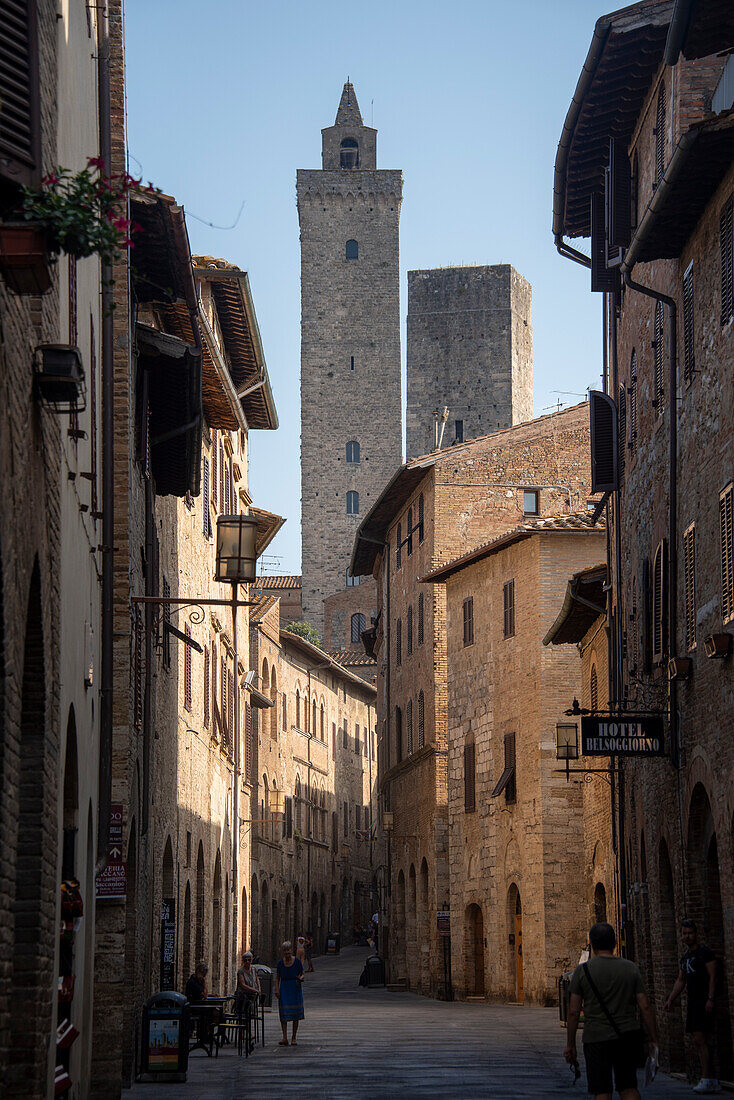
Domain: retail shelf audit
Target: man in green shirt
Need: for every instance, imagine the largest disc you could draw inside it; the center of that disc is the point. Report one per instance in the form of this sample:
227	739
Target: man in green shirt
611	1037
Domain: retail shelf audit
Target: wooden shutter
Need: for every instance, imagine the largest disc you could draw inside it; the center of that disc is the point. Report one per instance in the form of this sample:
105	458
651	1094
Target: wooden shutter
421	525
420	619
232	732
357	747
621	429
289	817
469	777
215	701
206	687
660	136
689	354
399	547
619	228
409	725
187	669
224	713
399	642
593	690
398	734
510	764
207	516
659	350
19	92
689	584
726	247
659	599
215	454
468	610
633	403
410	630
138	667
409	532
603	278
508	594
603	424
421	720
333	740
726	528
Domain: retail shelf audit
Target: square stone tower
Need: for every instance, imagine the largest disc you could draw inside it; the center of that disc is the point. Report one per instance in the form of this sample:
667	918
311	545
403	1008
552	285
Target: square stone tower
351	438
470	349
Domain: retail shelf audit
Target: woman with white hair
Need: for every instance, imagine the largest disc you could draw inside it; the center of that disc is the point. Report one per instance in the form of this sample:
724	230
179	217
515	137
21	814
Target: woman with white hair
248	984
288	978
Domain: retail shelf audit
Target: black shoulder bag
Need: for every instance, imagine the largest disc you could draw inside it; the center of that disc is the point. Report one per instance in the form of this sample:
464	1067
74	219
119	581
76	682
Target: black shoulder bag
636	1037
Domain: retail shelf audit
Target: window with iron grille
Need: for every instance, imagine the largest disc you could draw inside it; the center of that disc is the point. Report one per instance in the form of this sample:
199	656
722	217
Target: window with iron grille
187	669
206	687
399	547
593	689
421	720
659	601
659	350
660	136
689	348
470	763
409	533
621	429
633	403
468	613
410	630
508	599
689	584
358	625
421	526
399	642
420	618
726	249
726	529
398	734
409	725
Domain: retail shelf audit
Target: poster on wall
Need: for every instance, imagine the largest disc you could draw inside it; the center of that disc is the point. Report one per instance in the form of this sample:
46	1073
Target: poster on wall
163	1043
112	882
168	943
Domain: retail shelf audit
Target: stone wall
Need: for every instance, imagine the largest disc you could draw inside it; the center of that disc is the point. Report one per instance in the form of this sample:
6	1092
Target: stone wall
470	348
338	611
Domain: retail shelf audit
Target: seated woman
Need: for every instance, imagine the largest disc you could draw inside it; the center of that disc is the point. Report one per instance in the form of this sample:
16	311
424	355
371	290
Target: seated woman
248	985
288	979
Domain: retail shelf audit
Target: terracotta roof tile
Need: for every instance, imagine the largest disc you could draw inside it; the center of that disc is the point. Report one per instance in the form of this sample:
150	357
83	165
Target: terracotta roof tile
277	582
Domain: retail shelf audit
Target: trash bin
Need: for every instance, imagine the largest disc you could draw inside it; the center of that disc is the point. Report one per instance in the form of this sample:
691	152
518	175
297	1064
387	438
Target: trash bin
165	1046
265	974
333	943
375	971
563	996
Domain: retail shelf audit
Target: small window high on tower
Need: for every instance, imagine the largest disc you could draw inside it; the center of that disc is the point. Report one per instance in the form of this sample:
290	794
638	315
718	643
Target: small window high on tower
349	153
352	250
352	503
353	451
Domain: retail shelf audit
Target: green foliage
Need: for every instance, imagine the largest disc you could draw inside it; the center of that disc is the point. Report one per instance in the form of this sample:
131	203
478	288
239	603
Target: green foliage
84	213
304	630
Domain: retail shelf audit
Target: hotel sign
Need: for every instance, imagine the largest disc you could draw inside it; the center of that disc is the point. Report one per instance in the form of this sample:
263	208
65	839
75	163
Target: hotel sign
623	735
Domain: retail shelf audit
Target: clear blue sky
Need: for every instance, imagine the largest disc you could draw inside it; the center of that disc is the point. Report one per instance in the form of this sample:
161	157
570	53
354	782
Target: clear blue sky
227	100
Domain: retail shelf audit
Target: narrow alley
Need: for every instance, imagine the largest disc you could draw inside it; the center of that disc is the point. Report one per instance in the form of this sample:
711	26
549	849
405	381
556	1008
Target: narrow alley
370	1043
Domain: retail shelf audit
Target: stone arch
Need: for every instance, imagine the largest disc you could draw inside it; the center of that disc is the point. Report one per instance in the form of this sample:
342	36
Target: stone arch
400	916
670	1023
225	914
167	879
474	950
216	963
199	945
186	967
30	920
600	903
514	921
424	927
254	914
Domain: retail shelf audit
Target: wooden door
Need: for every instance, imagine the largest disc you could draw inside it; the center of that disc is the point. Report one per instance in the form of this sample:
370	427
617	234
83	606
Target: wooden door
518	956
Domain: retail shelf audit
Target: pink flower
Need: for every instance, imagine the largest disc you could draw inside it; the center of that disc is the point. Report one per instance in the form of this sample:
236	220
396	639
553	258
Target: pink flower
50	180
96	162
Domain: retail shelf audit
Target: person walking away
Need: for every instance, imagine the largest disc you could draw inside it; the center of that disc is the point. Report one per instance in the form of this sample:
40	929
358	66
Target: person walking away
309	952
611	991
697	975
288	990
301	949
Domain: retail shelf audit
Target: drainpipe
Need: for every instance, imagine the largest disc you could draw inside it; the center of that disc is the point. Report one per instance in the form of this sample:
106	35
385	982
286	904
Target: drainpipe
108	470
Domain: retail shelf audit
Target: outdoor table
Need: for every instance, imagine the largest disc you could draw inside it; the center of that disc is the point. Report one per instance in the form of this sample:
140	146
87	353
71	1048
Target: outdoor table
207	1016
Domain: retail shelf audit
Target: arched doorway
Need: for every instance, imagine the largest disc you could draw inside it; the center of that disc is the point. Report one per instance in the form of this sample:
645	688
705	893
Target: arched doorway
600	904
216	969
514	905
200	896
649	971
243	924
474	950
254	915
707	910
670	1023
186	967
400	966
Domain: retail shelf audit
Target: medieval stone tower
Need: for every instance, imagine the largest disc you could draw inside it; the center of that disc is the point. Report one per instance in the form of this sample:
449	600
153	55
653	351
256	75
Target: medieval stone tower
469	349
349	213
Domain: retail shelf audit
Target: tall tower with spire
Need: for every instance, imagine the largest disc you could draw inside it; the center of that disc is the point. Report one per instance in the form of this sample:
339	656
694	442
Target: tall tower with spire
351	436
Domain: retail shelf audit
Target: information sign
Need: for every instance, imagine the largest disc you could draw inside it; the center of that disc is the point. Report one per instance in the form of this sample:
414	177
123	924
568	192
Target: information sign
112	882
623	735
168	943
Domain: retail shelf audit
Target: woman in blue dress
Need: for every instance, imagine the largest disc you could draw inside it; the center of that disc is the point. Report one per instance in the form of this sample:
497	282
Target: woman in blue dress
288	978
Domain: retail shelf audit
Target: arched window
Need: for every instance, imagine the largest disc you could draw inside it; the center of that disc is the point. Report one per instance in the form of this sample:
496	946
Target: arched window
323	724
352	451
349	152
298	708
313	713
352	250
359	623
352	503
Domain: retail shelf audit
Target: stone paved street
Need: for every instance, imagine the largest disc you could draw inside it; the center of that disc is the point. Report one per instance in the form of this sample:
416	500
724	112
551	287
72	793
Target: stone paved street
370	1043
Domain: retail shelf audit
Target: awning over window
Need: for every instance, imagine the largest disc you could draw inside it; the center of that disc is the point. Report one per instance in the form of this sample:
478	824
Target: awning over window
503	780
174	397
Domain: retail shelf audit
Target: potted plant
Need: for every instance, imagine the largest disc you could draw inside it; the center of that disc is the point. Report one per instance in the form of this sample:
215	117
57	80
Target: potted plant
80	213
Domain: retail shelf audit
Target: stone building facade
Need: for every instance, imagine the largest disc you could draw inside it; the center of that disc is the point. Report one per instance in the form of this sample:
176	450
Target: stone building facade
50	571
470	350
315	866
671	379
434	509
516	836
351	443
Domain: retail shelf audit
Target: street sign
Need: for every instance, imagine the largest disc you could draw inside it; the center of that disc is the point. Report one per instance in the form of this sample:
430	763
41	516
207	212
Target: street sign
443	922
168	943
112	882
623	735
